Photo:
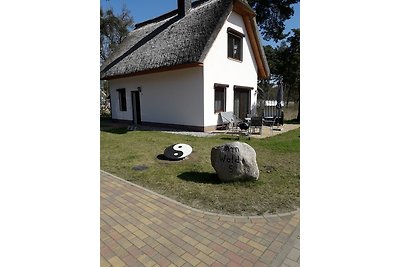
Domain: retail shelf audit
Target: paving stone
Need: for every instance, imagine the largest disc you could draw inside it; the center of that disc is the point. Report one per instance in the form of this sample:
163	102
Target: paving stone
116	261
291	263
268	256
142	228
275	246
233	257
205	258
190	259
130	260
294	254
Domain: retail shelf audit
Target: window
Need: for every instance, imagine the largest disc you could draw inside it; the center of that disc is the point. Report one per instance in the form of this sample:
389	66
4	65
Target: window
219	97
235	44
122	99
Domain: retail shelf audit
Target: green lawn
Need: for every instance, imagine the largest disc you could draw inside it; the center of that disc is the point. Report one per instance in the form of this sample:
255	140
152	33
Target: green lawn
193	181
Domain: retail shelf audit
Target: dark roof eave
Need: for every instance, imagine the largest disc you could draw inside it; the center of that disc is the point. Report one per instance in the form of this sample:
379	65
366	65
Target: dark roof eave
162	69
261	51
243	8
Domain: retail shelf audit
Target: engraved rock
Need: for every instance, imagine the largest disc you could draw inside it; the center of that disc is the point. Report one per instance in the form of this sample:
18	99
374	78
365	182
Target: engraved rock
235	162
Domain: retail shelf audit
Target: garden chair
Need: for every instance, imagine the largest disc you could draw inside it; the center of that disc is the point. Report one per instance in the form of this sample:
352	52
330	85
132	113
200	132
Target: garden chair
229	120
233	124
274	123
256	123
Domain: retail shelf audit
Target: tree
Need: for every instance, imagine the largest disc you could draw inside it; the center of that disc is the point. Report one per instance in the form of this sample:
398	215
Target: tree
294	57
284	63
271	15
265	87
289	68
113	30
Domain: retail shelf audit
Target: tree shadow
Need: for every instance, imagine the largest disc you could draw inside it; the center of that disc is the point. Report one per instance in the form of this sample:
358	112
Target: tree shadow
230	138
293	121
112	126
115	130
200	177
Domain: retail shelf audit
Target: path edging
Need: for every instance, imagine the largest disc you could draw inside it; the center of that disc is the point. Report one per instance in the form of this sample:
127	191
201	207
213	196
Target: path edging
207	214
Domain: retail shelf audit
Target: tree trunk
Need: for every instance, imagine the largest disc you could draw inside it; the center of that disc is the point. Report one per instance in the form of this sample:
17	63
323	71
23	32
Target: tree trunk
288	95
298	113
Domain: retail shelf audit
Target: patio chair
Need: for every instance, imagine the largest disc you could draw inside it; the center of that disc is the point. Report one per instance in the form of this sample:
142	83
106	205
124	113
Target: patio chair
272	115
229	120
256	123
233	124
274	123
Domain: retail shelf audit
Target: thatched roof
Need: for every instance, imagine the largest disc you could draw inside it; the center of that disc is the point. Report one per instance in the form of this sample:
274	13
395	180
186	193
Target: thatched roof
172	40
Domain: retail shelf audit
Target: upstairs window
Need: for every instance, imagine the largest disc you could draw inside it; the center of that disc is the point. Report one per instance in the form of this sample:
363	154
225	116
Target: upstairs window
235	44
122	99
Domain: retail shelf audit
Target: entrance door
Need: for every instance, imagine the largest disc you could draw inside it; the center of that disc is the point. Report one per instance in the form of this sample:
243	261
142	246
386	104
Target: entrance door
241	104
137	118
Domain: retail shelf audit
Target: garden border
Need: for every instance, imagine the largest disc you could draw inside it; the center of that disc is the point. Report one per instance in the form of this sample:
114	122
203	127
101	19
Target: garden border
211	215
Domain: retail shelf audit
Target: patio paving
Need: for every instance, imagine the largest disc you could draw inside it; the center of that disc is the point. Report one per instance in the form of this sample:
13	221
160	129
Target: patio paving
267	131
142	228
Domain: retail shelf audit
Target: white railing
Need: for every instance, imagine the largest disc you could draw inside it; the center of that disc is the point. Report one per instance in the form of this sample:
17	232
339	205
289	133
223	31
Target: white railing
272	103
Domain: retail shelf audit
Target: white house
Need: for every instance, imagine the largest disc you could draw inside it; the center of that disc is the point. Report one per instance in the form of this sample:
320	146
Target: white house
183	68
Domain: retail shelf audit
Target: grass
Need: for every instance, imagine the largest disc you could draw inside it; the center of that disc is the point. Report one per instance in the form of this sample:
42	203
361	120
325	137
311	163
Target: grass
291	111
136	156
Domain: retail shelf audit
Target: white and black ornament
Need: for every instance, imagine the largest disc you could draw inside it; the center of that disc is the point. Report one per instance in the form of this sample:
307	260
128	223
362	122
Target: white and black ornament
177	151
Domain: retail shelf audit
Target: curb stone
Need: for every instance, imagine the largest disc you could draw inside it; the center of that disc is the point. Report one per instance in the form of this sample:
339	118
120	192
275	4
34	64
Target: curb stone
211	215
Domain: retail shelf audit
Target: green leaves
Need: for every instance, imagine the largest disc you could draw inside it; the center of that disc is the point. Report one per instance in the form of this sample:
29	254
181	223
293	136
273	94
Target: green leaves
284	62
113	30
271	17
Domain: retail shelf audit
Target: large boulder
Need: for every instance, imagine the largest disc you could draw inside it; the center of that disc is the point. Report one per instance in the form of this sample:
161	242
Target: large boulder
235	162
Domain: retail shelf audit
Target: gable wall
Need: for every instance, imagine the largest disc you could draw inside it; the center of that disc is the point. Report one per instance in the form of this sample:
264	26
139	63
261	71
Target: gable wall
171	97
219	69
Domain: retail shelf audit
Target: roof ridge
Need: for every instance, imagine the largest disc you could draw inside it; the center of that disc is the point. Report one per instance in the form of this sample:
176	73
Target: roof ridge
173	40
167	15
156	19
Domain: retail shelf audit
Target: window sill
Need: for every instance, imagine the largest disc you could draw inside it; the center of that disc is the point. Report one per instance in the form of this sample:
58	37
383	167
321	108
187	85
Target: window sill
234	59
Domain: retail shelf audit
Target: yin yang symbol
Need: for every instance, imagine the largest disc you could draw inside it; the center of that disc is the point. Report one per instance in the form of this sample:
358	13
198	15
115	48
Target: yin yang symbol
177	151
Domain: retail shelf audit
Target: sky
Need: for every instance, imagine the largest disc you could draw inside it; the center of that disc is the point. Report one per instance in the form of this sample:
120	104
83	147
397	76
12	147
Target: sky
145	10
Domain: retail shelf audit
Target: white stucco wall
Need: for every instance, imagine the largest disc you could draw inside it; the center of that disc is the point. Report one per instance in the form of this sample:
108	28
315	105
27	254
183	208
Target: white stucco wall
172	97
186	97
218	68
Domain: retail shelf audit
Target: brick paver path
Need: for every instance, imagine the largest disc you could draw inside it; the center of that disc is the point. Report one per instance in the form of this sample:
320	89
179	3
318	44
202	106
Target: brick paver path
142	228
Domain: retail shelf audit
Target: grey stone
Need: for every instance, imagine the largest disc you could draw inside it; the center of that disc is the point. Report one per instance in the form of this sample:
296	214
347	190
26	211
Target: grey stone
140	168
235	162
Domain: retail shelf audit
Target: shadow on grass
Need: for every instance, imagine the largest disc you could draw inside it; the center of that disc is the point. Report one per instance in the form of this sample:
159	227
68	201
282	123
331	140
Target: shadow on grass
200	177
164	158
235	138
112	126
294	121
115	130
